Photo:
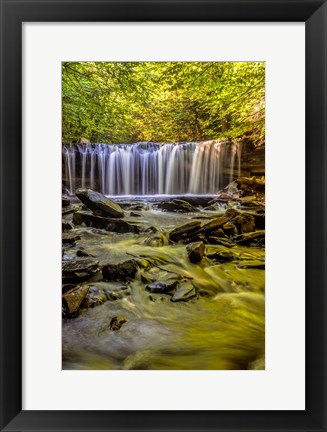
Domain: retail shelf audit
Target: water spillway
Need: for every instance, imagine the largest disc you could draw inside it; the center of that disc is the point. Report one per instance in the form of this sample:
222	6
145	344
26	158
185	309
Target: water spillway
151	169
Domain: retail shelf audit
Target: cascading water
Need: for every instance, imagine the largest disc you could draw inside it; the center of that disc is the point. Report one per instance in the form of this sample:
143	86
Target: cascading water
152	169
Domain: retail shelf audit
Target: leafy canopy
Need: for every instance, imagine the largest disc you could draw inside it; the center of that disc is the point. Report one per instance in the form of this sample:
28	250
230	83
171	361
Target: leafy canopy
162	102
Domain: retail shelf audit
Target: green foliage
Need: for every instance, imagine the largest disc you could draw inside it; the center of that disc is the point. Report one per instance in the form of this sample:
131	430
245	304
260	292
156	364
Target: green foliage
162	102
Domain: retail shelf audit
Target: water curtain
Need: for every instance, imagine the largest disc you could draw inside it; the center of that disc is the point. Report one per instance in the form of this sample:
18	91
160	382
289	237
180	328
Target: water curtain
149	169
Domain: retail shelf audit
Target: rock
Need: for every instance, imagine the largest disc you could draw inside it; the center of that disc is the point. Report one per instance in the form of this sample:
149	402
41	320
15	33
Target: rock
65	202
248	186
214	224
66	226
114	225
83	140
70	209
134	214
112	290
72	300
122	271
256	238
220	241
82	253
162	286
222	256
185	291
80	269
95	297
177	205
244	222
97	202
230	229
185	231
156	240
69	237
117	322
195	251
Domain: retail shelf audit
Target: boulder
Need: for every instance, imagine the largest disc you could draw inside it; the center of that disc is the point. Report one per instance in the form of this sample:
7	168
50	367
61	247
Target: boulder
195	251
256	238
177	205
230	229
162	286
72	300
220	241
185	291
108	224
95	201
185	232
244	222
214	224
78	270
66	226
65	202
120	272
222	256
70	209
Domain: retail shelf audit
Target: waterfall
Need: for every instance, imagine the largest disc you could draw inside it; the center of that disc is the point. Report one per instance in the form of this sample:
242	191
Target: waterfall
148	168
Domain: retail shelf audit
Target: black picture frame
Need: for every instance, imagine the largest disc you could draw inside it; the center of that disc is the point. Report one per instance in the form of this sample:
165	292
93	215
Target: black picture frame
13	14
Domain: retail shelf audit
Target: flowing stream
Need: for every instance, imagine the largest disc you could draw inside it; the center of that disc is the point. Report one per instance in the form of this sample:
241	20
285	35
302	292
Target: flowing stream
221	329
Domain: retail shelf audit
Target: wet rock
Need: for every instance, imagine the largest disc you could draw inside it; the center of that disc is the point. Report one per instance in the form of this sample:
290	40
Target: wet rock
230	229
156	299
66	226
95	297
185	291
185	231
156	240
80	269
222	256
117	322
195	251
220	241
73	299
120	272
134	214
65	202
177	205
69	237
112	290
70	209
81	253
114	225
162	286
250	185
214	224
256	238
97	202
245	223
138	207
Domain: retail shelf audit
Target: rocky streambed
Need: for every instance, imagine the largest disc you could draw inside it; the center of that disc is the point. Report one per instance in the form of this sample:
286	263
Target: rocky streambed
164	282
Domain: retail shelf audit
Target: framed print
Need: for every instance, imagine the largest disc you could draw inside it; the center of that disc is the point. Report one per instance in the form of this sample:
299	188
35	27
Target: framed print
154	138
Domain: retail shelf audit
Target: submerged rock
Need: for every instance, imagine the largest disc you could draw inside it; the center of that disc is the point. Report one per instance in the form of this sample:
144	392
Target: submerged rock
95	201
109	224
80	269
185	291
195	251
72	300
121	271
256	264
